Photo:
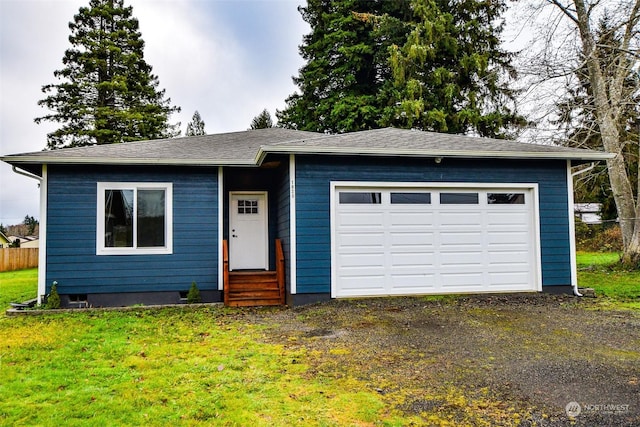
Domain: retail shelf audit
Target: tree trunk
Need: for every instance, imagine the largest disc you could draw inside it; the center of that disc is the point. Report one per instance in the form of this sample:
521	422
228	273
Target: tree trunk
607	101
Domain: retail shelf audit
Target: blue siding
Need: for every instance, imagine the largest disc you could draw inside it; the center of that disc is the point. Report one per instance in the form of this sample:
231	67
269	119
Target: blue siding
313	175
71	233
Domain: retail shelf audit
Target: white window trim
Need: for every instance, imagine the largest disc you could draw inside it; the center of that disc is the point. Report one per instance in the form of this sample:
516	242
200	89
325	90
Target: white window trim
166	186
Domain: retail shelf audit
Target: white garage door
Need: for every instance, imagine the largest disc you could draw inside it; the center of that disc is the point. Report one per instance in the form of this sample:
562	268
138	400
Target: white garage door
432	240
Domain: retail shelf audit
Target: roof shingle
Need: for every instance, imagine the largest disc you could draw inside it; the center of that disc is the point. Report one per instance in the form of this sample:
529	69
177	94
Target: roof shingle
249	148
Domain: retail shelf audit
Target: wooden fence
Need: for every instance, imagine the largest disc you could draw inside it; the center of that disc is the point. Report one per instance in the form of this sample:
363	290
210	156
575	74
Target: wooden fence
18	258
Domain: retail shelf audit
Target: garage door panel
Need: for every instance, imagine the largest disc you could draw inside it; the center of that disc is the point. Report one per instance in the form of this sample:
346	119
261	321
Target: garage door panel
411	219
507	257
508	238
461	259
461	279
460	238
401	249
413	283
459	220
515	217
361	241
367	285
359	219
513	278
415	259
370	260
417	237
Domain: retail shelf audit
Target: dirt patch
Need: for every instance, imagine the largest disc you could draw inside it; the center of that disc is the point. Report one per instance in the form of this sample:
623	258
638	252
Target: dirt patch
510	360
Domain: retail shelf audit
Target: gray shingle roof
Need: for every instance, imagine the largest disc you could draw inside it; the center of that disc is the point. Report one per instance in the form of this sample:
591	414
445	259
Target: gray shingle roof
429	144
250	147
234	148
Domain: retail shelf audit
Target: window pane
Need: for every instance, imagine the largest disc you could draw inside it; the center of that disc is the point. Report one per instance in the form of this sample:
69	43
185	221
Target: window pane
246	207
118	218
151	218
505	198
459	198
360	198
411	198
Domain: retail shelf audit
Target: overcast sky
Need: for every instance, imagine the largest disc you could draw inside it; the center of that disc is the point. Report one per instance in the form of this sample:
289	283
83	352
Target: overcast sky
227	59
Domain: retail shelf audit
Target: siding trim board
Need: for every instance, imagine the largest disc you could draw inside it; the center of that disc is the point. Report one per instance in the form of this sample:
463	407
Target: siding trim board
220	184
42	255
293	261
572	232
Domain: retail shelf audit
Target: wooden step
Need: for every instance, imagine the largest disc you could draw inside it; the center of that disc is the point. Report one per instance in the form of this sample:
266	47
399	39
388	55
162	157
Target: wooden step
253	277
254	302
254	297
253	288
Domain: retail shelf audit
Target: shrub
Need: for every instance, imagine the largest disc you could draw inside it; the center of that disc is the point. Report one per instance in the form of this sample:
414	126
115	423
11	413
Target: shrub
598	237
194	294
53	300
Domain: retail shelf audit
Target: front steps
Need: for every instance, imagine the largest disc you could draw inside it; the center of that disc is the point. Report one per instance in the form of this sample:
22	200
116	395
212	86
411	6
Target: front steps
253	288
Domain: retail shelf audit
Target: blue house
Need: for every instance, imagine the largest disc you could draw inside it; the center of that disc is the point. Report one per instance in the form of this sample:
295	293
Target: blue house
278	216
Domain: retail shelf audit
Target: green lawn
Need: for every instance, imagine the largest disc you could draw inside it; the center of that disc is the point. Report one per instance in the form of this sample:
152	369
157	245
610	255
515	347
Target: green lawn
600	271
18	286
186	366
173	366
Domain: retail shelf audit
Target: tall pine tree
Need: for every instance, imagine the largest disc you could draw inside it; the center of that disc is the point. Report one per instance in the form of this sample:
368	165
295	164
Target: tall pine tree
450	74
107	92
426	64
196	125
262	121
341	85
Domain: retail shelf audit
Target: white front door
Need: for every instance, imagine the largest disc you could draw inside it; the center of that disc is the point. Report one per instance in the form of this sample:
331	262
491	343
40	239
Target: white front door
248	241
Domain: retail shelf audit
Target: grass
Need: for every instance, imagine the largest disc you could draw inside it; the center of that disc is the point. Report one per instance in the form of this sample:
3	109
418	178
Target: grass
173	366
599	271
18	286
203	366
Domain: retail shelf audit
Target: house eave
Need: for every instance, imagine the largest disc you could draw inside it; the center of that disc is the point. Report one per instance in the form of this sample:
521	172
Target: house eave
586	156
22	160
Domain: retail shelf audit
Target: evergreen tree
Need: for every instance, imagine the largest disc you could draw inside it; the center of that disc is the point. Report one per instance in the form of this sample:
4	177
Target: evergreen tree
107	93
196	125
262	120
341	84
193	296
425	64
448	75
31	223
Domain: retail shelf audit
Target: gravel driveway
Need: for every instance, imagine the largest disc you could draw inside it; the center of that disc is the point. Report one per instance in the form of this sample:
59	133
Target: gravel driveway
510	360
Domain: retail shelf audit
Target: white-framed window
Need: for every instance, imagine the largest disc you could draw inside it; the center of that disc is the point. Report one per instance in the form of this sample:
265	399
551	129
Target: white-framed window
134	218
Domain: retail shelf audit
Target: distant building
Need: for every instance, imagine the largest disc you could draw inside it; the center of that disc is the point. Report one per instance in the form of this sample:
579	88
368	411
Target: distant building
4	241
589	213
26	241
